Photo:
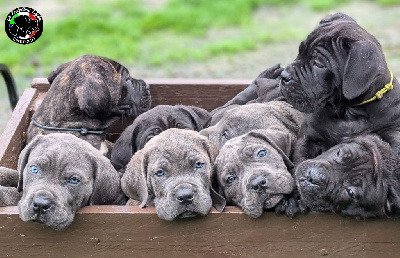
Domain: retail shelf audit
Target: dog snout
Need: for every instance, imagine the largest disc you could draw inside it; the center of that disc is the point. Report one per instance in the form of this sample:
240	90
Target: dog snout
285	76
41	204
258	183
185	195
315	175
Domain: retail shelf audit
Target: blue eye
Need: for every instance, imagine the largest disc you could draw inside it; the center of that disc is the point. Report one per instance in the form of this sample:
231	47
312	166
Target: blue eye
34	169
351	193
160	173
74	180
262	153
225	135
230	179
199	165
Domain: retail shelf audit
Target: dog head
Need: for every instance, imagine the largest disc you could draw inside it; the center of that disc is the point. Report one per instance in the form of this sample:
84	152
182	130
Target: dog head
152	123
59	173
252	170
276	115
173	173
359	177
339	64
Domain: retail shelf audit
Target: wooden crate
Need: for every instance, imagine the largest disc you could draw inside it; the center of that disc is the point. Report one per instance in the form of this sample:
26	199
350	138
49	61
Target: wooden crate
127	231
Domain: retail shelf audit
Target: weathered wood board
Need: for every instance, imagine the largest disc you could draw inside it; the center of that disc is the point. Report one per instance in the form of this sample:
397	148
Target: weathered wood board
123	231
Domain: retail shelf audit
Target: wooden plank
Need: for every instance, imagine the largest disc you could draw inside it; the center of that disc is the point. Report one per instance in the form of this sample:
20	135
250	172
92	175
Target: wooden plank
13	137
132	231
207	94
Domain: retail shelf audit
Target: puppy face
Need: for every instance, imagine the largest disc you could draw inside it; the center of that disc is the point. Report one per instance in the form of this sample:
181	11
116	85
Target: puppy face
172	172
354	178
252	170
275	115
59	174
337	63
152	123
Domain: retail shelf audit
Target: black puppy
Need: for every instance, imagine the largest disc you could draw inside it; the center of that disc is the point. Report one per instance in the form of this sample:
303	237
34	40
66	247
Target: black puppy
340	76
359	177
86	96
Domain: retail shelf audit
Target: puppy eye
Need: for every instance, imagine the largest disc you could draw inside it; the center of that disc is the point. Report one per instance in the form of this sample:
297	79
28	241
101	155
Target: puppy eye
230	179
318	64
178	125
74	180
262	153
351	193
339	153
225	135
34	169
199	165
160	173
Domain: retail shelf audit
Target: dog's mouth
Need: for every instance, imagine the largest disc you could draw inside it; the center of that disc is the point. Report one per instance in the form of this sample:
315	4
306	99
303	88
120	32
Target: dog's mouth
272	200
188	214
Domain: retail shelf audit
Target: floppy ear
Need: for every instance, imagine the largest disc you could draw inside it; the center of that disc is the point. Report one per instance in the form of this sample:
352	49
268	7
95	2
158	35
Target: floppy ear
52	76
94	99
24	157
280	141
133	182
106	183
124	147
218	200
200	117
364	64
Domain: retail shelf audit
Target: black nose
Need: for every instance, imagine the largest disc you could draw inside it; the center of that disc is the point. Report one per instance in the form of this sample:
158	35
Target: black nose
285	76
259	183
40	204
315	175
185	195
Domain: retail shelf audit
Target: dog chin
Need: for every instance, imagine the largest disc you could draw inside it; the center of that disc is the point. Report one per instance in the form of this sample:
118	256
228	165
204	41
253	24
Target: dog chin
188	214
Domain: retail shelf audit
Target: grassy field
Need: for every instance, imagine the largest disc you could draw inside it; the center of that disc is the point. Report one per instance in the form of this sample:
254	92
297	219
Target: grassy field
182	38
130	31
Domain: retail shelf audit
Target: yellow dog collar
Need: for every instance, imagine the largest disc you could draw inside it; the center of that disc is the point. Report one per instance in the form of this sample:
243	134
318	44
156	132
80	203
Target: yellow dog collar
379	93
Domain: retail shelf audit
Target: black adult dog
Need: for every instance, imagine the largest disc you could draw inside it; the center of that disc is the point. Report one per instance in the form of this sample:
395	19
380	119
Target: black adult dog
359	177
340	76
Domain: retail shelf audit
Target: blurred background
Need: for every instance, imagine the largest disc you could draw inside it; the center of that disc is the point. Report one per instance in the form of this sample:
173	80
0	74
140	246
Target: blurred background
182	38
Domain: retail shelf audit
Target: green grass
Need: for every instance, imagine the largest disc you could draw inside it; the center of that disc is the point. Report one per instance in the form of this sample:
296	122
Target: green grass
127	31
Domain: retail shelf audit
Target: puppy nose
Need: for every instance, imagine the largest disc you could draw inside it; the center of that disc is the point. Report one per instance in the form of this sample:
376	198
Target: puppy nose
315	175
40	204
258	183
285	76
185	195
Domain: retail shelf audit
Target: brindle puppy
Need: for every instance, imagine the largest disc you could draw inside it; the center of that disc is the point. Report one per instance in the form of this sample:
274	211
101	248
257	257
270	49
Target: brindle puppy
89	92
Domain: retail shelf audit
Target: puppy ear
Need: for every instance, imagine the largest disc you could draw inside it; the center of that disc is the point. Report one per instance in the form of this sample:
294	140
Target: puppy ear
106	183
218	200
133	182
52	76
363	56
24	157
280	141
94	99
216	193
124	147
200	117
